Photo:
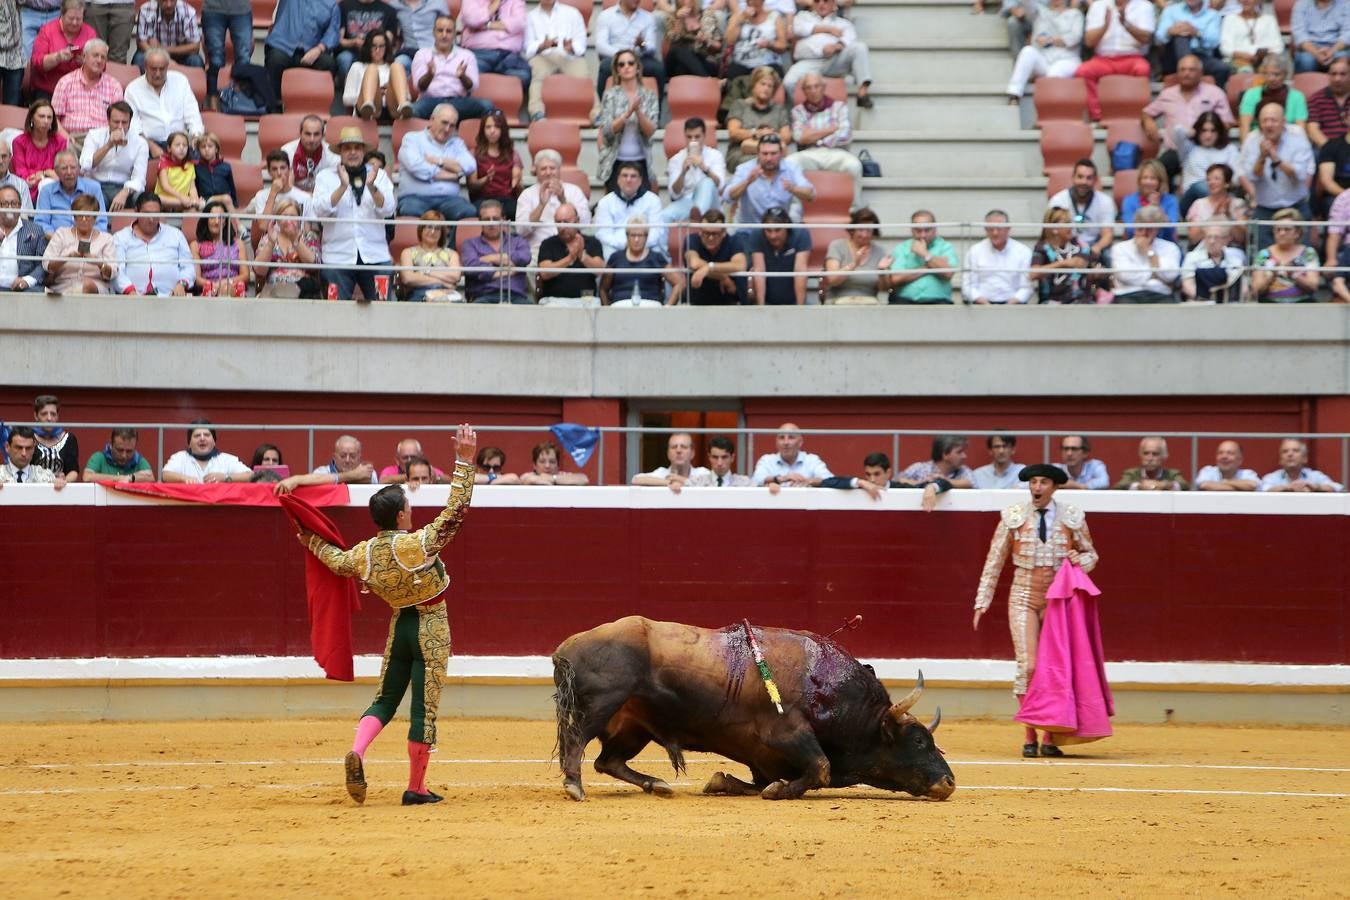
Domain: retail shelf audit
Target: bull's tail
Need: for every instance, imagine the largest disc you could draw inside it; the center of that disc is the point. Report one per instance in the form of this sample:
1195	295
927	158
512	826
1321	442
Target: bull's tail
676	758
565	708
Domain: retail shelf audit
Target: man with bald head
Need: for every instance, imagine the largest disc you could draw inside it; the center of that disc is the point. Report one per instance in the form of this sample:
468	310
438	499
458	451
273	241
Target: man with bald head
1152	474
406	450
347	463
568	259
1227	473
1179	105
790	465
680	454
1278	162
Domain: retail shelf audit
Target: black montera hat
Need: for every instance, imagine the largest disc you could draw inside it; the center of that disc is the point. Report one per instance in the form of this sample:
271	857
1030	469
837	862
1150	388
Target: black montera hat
1045	470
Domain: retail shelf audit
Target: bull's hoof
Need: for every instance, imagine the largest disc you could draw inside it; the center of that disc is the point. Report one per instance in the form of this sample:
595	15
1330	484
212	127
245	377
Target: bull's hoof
659	788
574	790
718	784
776	791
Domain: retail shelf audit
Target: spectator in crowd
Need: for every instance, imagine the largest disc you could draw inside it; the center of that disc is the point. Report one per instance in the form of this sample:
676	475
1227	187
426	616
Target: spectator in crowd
1085	473
1320	32
827	44
163	102
616	209
1219	204
1227	473
221	252
19	239
431	268
1212	270
1191	28
445	73
176	183
8	177
356	252
357	21
1119	33
114	21
538	205
405	451
496	246
753	117
637	288
305	34
791	464
859	252
81	98
1286	271
495	31
203	461
1001	474
1152	192
1247	35
758	36
498	168
628	117
946	461
309	154
779	249
681	468
1053	51
119	460
1210	147
20	469
116	156
417	26
1337	253
715	258
1327	107
695	175
348	464
694	39
1091	211
374	82
766	181
286	254
1278	163
1151	474
822	132
555	44
491	465
546	469
266	455
377	159
1053	253
58	47
1274	89
997	268
1179	108
81	257
55	199
626	26
721	459
1333	160
33	14
215	176
876	480
1019	19
568	258
57	450
219	17
148	245
912	280
172	25
1294	475
1147	266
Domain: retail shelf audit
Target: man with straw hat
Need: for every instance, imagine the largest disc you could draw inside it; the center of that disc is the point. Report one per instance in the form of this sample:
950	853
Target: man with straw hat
357	198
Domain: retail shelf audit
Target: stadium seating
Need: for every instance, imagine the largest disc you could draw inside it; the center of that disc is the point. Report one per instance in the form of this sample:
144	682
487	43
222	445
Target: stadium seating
673	140
1284	14
405	236
584	7
402	127
1063	143
1129	130
820	245
690	95
1238	83
196	80
1123	96
1060	100
124	73
307	91
278	129
503	91
464	231
468	132
568	98
12	117
1059	177
1124	183
1310	83
573	175
263	12
230	130
565	137
834	197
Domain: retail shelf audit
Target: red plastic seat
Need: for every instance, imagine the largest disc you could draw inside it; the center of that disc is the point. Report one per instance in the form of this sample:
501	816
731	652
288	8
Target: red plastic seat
690	95
405	236
584	7
1123	96
402	127
276	130
196	80
1123	184
1284	14
1238	83
13	117
230	130
1129	130
248	179
123	72
504	92
1059	177
464	231
568	98
821	238
307	91
564	137
263	13
1060	100
581	179
1064	143
1309	83
834	197
468	132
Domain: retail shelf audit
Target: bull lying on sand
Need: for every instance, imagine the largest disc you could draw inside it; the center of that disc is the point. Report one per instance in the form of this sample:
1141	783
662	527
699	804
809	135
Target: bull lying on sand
635	681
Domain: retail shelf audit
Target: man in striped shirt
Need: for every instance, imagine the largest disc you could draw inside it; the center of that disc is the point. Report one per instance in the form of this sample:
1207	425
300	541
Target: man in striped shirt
82	97
822	130
1327	107
173	25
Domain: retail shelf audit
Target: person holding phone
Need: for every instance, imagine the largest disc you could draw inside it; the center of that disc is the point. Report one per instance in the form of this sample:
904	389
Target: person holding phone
80	259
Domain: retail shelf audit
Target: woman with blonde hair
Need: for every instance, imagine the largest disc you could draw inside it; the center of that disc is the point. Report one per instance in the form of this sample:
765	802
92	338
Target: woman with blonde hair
1054	252
628	117
1287	270
1152	190
431	269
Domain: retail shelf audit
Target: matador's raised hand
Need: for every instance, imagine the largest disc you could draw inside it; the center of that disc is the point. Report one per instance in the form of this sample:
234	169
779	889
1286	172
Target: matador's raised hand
466	443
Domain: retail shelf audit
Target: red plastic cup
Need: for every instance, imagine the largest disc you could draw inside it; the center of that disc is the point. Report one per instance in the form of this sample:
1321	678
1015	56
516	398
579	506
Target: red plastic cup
332	292
239	288
382	286
209	289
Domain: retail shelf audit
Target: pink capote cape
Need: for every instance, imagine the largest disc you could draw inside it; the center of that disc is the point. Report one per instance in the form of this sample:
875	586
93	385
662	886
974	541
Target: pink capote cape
1068	695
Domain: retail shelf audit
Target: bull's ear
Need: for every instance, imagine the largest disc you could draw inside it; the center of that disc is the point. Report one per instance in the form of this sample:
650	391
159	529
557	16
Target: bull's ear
901	708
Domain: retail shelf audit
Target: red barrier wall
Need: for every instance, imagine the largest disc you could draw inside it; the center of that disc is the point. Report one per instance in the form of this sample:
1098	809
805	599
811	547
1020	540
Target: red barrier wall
152	581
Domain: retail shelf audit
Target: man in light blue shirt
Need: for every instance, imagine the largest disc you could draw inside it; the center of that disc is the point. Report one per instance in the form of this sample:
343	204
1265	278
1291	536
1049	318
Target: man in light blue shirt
1085	473
152	258
305	34
791	465
1191	27
766	181
55	197
1227	473
1321	31
1294	476
624	26
1002	472
431	162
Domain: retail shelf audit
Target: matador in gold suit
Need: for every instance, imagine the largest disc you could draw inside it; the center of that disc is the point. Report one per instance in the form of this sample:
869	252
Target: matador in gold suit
1039	536
404	569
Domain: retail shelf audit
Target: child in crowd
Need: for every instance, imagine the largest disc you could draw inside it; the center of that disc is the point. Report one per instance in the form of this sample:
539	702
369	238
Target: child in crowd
177	181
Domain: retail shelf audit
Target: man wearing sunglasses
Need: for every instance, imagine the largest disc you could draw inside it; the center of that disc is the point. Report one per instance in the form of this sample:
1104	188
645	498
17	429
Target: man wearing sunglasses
1085	473
1091	211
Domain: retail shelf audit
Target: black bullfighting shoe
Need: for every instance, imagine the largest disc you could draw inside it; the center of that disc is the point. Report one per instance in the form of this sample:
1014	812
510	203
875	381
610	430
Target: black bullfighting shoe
356	776
1029	751
412	798
1051	750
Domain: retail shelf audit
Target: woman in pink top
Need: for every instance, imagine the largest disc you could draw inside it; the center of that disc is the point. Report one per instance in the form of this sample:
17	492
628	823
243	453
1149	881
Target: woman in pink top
35	150
58	47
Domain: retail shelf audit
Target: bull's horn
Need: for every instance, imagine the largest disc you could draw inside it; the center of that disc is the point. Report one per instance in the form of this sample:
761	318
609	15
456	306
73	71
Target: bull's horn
911	698
937	720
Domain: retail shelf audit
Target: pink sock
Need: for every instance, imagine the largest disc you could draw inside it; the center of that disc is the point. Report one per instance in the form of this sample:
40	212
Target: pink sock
1029	736
419	755
366	731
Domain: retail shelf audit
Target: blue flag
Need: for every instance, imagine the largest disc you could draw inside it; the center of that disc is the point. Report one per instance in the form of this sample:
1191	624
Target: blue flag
578	440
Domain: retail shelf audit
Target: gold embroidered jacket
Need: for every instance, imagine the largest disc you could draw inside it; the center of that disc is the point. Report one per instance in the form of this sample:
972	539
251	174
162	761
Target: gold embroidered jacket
404	567
1017	535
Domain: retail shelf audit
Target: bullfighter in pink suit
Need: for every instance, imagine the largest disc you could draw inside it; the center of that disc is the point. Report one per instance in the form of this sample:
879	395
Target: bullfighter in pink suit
1039	536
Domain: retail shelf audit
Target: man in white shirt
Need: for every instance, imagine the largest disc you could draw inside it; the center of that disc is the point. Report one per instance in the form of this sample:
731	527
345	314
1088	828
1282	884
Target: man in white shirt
1147	267
791	465
1294	476
680	453
1119	32
828	44
20	447
625	26
282	187
355	253
615	209
1092	212
997	267
203	462
695	175
555	44
152	258
1227	473
431	164
721	460
1002	472
116	157
539	202
163	102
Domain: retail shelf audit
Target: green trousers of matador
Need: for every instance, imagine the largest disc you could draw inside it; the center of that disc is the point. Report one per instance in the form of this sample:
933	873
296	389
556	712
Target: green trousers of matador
416	653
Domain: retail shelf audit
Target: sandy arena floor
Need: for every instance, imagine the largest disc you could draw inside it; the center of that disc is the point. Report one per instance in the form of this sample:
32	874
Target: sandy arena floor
232	809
